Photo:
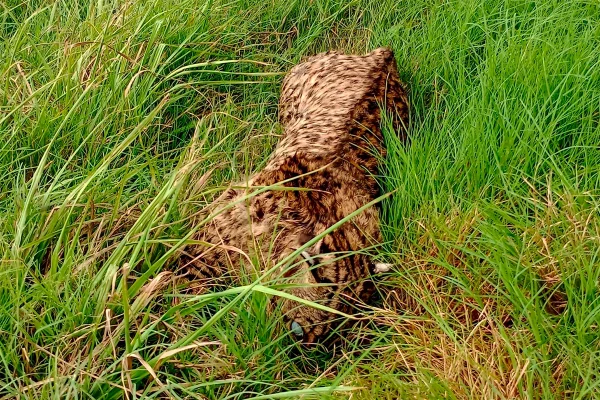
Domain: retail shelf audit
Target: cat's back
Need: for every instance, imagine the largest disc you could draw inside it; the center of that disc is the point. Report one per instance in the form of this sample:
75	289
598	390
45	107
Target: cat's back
321	96
330	85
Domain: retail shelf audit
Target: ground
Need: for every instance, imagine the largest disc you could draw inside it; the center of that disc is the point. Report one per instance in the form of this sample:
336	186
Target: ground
120	120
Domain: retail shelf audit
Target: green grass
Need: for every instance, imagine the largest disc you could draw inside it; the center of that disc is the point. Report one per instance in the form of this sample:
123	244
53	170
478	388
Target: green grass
119	120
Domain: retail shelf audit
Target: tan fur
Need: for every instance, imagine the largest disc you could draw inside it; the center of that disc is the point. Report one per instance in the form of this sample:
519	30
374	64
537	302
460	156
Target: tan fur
330	112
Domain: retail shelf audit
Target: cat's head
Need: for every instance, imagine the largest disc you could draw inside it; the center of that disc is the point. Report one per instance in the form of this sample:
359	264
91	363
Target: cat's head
329	277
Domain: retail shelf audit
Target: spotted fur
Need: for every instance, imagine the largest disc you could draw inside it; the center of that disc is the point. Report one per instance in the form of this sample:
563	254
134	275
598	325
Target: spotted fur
324	169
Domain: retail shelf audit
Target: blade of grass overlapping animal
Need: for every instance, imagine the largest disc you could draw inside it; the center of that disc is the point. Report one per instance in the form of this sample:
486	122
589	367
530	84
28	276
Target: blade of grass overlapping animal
243	292
186	239
257	283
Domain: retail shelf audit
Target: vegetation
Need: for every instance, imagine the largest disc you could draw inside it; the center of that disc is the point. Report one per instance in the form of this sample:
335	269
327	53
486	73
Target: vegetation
120	120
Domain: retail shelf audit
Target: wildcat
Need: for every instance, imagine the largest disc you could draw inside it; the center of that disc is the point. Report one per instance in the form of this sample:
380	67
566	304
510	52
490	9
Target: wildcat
323	169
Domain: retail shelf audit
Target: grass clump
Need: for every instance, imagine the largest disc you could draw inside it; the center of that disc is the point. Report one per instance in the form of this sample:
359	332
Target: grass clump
120	120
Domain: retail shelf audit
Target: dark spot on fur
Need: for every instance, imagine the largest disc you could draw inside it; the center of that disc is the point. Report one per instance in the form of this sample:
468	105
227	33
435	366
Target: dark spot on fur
259	213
